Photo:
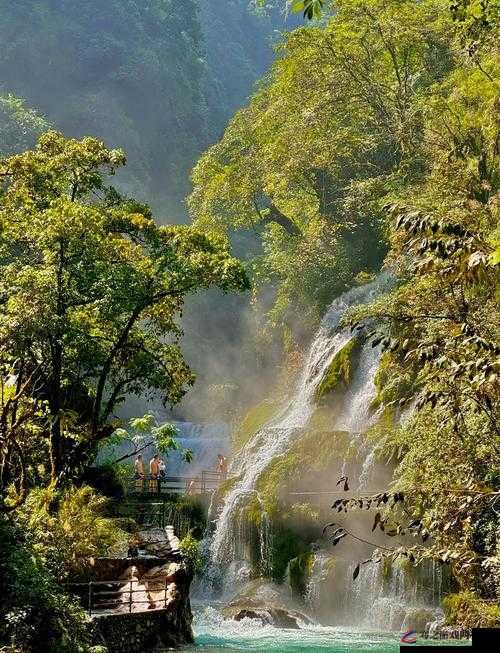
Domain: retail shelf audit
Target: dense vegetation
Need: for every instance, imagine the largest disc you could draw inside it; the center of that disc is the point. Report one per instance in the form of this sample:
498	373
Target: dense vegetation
316	182
146	76
91	291
376	134
373	140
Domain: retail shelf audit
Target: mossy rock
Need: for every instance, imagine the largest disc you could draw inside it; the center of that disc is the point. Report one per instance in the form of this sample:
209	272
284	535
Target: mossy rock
314	451
299	569
339	373
254	419
418	618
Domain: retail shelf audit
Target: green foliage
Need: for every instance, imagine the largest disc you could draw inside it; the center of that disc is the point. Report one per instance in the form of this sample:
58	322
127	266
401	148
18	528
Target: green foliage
189	547
311	176
311	8
187	515
440	331
67	528
107	480
339	371
95	287
101	71
145	432
478	20
469	610
20	126
36	614
393	381
158	77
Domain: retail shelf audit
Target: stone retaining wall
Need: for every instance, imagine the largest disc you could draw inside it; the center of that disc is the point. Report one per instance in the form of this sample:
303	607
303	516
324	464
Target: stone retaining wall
140	632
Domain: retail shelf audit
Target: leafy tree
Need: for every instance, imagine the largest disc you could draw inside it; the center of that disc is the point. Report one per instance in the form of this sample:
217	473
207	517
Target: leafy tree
478	20
145	432
441	322
312	158
19	125
91	288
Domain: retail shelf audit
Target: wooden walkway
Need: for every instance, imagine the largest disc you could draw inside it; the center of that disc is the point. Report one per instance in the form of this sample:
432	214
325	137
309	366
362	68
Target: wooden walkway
203	483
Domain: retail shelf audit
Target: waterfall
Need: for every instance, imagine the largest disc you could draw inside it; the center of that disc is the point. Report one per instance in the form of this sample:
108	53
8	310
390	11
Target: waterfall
275	438
204	440
384	596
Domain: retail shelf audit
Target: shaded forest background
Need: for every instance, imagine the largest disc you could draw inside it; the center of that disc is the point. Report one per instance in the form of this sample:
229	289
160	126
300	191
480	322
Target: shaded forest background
160	80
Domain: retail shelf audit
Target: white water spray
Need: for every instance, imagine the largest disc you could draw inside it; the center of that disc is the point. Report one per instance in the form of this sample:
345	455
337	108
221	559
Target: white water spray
275	438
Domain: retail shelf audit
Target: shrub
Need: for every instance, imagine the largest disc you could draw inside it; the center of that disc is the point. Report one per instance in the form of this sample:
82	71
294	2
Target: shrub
467	610
190	549
67	528
37	615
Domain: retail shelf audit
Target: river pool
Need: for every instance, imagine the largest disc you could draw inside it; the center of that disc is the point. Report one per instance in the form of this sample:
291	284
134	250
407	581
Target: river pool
217	635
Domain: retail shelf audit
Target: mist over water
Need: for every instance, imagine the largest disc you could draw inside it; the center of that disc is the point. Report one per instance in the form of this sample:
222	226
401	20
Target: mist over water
276	436
373	602
214	634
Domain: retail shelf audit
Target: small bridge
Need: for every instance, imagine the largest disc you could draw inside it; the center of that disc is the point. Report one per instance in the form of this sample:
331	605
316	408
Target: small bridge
203	483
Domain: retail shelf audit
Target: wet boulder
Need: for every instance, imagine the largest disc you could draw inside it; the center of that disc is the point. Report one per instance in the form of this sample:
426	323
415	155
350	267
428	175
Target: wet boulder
277	617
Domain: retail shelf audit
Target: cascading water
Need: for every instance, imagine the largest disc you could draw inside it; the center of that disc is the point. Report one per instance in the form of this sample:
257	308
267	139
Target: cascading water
275	438
376	600
204	440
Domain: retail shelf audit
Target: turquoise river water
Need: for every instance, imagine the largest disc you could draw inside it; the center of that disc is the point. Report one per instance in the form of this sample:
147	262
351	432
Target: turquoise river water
217	635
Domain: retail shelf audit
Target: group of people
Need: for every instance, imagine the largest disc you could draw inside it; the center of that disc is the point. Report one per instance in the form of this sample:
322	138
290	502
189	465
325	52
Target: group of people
158	472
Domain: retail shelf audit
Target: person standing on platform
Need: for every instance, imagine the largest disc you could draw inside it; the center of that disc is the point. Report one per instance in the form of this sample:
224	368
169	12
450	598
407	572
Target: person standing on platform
222	466
139	473
154	471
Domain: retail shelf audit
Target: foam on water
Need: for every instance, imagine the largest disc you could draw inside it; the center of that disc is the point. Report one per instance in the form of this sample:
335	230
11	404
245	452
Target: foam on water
214	634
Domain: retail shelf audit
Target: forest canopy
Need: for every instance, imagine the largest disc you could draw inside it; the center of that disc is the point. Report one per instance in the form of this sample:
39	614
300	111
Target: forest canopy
311	160
374	141
146	75
371	147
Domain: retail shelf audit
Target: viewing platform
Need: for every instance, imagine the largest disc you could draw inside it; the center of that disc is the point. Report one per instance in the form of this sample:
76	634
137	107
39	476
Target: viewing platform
197	485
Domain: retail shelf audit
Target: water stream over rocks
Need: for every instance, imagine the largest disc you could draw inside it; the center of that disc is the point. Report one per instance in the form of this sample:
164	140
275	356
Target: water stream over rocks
277	436
384	597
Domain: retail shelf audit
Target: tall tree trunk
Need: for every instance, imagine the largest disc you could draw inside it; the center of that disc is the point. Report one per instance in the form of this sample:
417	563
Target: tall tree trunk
56	453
